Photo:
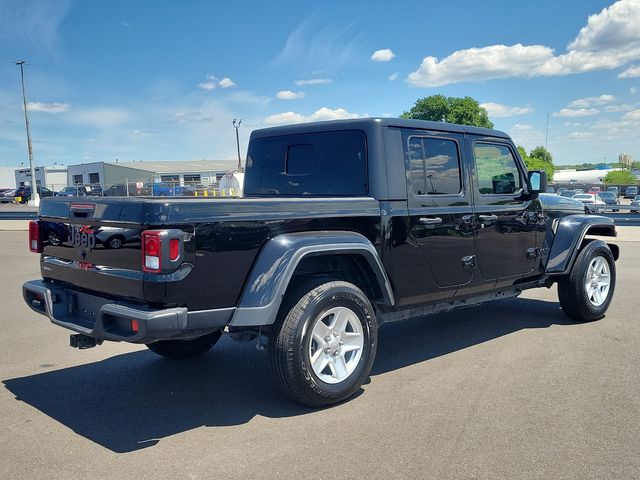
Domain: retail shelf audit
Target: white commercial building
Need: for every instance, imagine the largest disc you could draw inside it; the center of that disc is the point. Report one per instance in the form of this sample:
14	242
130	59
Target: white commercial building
53	177
106	174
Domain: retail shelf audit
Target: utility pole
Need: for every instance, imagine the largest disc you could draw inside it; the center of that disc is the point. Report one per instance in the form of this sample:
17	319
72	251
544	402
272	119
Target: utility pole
35	197
546	135
236	125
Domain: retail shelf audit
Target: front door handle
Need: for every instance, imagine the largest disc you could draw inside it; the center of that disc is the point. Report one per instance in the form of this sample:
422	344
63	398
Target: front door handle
430	220
488	218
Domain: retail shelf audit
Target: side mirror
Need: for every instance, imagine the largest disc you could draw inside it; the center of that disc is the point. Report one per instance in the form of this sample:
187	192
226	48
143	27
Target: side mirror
537	181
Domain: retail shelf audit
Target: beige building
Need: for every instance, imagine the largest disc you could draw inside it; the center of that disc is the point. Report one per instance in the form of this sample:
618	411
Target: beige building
625	159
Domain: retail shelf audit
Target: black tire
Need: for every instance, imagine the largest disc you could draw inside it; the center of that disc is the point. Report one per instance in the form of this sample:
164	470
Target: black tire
180	349
291	337
572	292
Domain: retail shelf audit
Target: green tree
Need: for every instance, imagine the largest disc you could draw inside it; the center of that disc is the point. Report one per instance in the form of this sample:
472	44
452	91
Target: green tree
620	177
538	159
541	153
438	108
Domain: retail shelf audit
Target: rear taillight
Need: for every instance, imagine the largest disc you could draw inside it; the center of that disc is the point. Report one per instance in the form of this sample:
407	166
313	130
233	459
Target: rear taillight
35	242
151	251
174	249
161	250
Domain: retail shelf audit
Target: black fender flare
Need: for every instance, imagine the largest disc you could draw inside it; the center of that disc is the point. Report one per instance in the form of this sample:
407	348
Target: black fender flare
277	261
569	233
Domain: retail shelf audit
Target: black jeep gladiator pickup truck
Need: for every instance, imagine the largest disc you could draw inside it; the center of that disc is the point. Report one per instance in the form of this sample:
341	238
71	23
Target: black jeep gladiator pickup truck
344	225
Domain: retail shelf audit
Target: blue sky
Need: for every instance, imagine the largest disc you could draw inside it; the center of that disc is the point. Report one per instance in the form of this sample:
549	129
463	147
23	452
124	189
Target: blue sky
159	80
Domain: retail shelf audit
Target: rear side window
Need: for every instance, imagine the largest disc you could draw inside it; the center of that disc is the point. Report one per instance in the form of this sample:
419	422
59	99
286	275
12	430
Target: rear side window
315	164
435	166
497	170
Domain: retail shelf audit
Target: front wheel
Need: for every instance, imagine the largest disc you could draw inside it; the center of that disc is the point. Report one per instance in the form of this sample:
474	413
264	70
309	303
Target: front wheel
179	349
585	294
323	343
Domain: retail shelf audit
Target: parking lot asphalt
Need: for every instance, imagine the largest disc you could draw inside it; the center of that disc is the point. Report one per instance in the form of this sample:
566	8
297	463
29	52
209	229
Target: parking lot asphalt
510	389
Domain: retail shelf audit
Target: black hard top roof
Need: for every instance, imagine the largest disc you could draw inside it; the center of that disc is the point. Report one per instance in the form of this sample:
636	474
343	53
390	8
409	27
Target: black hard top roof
375	122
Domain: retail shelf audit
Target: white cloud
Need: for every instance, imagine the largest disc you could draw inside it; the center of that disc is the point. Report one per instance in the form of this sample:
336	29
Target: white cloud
633	90
207	86
631	72
609	40
618	108
385	55
323	113
573	124
495	61
499	110
322	43
49	107
213	82
393	76
226	82
576	112
526	135
591	101
289	95
313	81
101	117
580	135
633	116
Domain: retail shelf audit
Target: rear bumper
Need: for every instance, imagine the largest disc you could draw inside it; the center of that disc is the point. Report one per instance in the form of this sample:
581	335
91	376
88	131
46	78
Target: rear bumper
104	319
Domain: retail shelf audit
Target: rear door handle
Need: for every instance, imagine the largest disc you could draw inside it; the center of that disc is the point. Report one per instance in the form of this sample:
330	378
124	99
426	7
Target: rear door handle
430	220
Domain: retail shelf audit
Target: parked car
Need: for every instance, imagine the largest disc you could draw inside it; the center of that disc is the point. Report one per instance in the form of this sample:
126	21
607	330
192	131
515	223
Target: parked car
8	196
164	189
324	259
579	190
614	190
568	193
551	190
23	194
592	201
96	191
120	190
610	199
75	191
631	192
635	204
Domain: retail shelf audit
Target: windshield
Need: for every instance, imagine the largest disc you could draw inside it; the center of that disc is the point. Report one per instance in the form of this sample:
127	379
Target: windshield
607	195
69	189
583	197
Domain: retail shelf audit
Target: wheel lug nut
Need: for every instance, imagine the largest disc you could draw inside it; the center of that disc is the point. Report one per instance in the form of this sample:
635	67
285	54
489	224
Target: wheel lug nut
327	338
335	334
327	351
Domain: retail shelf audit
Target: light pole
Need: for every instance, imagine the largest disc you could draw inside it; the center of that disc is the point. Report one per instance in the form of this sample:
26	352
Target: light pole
35	197
236	125
546	135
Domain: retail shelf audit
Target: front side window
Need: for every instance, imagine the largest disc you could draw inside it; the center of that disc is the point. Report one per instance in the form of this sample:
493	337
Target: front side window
435	166
496	169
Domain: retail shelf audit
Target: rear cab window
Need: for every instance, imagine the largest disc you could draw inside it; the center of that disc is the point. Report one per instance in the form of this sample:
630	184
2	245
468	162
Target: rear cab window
434	166
308	164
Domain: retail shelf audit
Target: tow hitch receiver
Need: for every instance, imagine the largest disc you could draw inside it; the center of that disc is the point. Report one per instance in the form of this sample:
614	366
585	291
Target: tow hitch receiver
78	340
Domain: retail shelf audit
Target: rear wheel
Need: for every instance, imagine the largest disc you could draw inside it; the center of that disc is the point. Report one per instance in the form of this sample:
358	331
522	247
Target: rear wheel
179	349
323	343
585	294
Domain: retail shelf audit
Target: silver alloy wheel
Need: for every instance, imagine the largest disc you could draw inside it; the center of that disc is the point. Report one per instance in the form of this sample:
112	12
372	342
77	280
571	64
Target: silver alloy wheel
335	344
598	281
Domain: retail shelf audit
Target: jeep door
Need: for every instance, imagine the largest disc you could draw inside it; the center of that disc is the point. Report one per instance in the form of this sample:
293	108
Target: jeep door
439	203
506	218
